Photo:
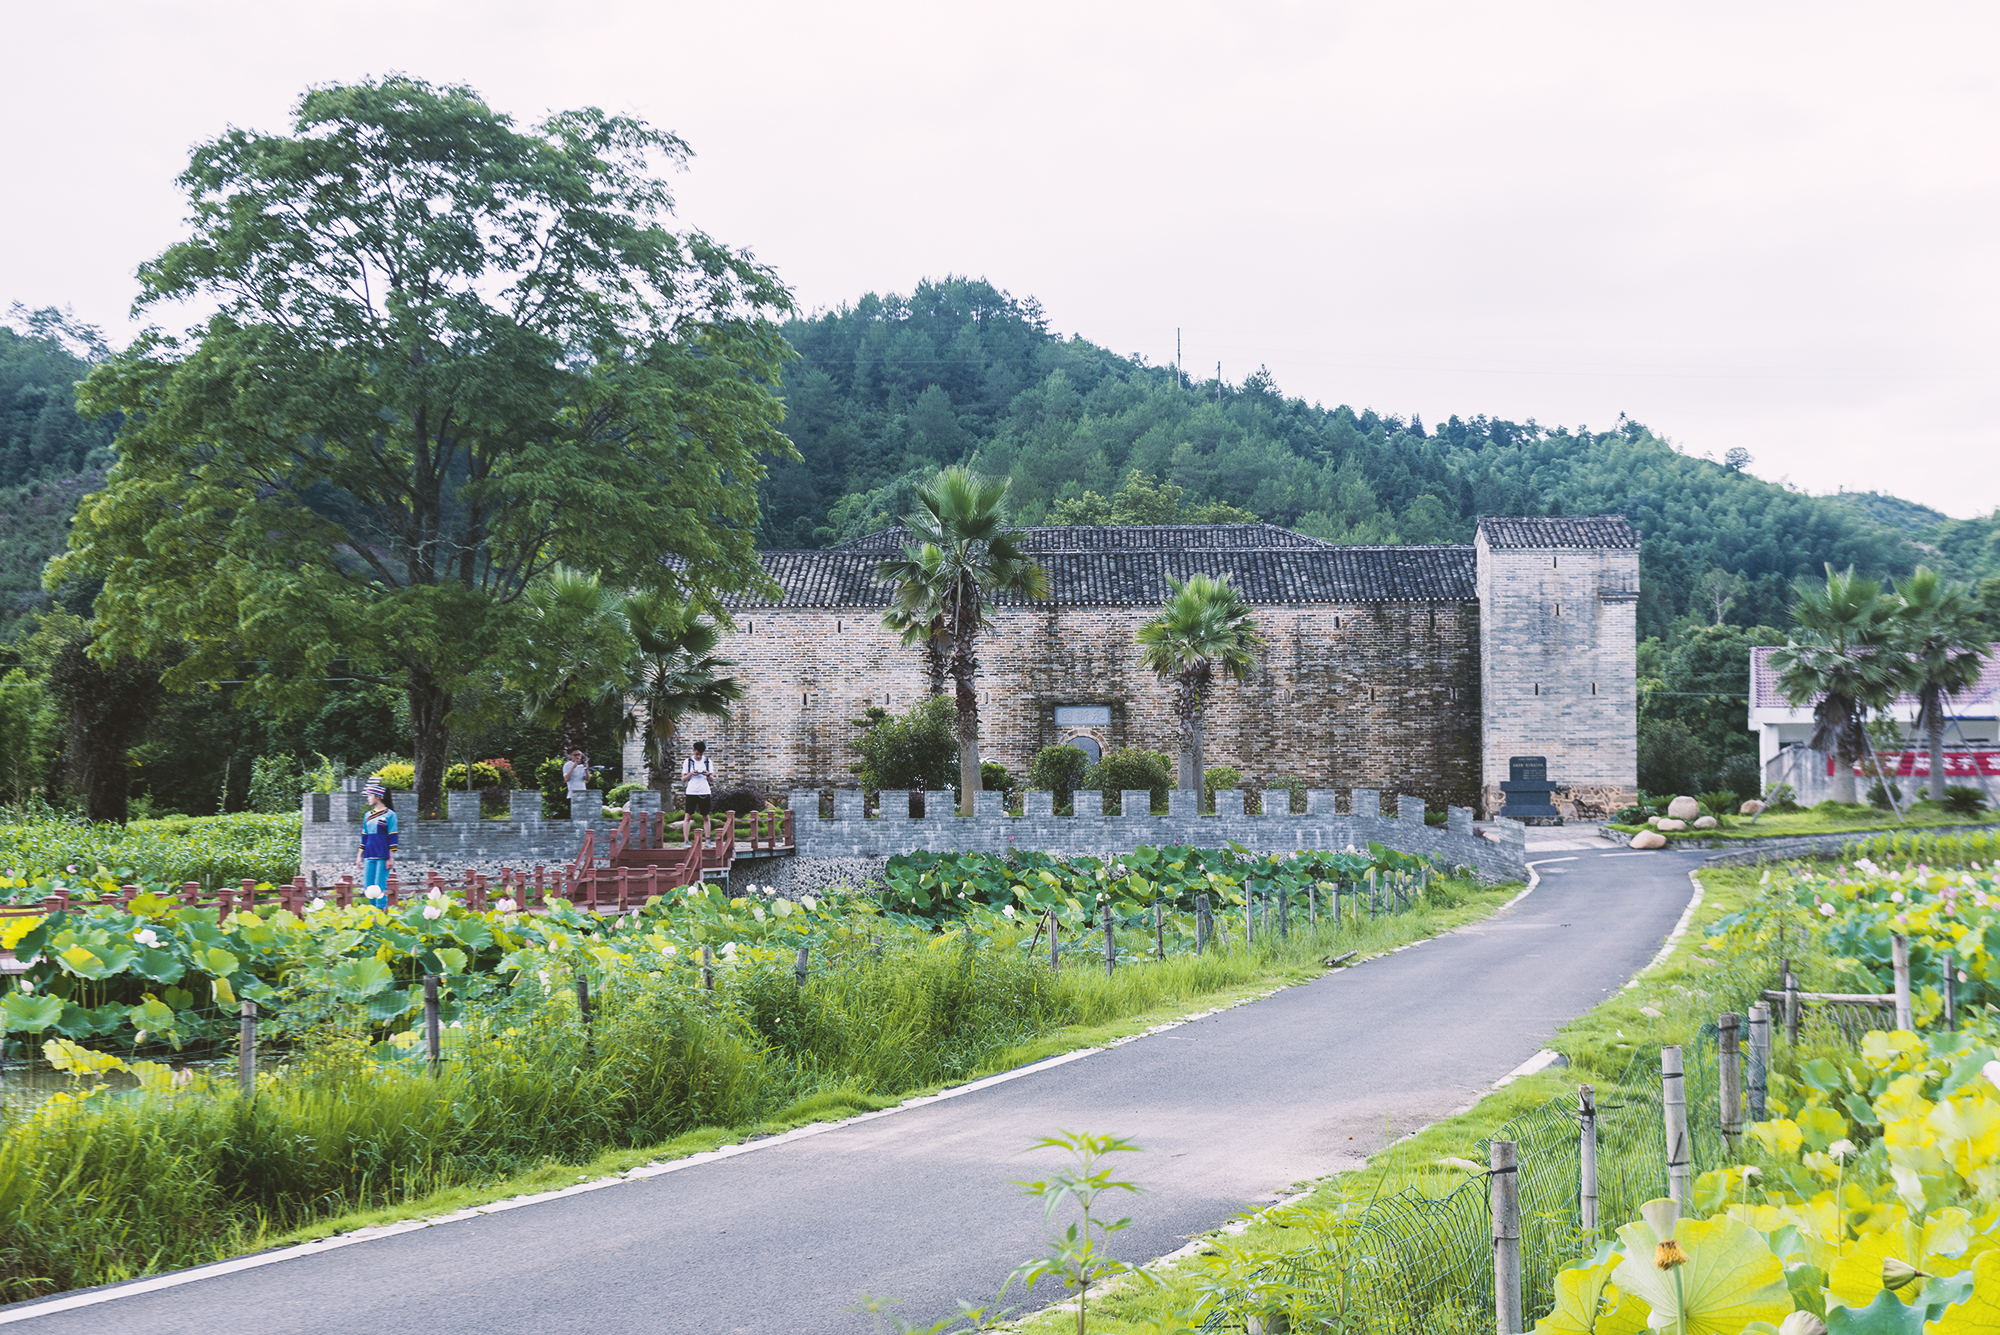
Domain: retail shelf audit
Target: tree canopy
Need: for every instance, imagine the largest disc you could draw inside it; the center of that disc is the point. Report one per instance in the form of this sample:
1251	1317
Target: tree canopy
445	354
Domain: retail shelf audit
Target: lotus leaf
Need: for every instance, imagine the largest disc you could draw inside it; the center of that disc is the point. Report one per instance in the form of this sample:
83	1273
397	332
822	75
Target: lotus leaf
1884	1316
357	980
1980	1311
29	1014
1588	1303
1730	1279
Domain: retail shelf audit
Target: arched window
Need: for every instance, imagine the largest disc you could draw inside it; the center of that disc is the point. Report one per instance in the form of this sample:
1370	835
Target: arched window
1087	745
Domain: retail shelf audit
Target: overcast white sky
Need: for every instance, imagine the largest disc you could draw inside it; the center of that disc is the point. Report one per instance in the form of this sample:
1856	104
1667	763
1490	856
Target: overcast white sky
1767	225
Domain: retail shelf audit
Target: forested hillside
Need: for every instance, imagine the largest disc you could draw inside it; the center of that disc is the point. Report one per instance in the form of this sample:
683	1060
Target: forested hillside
890	388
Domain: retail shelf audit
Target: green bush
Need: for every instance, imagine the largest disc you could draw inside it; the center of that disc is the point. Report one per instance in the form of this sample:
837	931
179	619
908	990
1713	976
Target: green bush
483	773
915	749
275	784
1130	767
398	777
1963	799
1216	779
1720	804
1059	770
1292	784
555	793
994	777
210	849
616	796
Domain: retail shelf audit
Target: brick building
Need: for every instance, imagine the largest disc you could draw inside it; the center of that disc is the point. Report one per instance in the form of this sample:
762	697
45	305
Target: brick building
1411	669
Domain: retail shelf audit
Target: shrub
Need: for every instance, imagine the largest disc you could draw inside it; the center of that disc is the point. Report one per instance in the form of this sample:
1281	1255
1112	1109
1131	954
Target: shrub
1671	758
1130	767
484	775
915	749
742	801
275	784
1881	793
1059	770
1963	799
1292	784
616	796
1216	779
1783	797
555	794
1719	804
994	777
398	776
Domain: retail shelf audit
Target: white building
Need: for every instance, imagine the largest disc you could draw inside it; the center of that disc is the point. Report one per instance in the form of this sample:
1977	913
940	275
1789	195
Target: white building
1783	730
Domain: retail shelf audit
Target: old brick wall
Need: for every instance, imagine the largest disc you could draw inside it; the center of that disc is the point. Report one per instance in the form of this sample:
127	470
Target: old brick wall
1374	695
1559	668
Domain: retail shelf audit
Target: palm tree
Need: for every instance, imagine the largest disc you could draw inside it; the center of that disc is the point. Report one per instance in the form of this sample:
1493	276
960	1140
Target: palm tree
918	615
572	652
961	554
676	671
1204	628
1836	659
1944	646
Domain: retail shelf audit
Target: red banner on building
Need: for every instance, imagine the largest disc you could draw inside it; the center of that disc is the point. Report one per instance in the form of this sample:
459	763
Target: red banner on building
1917	764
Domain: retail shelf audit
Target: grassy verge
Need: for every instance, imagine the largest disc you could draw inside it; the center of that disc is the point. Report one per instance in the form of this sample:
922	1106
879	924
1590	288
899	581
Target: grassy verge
1668	1005
1826	818
122	1186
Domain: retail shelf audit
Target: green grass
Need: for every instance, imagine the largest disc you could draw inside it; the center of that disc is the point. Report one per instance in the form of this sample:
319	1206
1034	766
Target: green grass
1826	818
120	1186
1687	989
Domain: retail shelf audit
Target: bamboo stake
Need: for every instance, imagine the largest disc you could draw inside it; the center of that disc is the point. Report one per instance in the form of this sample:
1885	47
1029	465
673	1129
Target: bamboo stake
707	969
1505	1185
1899	956
799	970
433	1036
1203	924
1249	916
1110	949
246	1050
1673	1103
1950	992
1760	1060
1791	1005
1055	959
1586	1108
1159	927
1731	1064
1312	904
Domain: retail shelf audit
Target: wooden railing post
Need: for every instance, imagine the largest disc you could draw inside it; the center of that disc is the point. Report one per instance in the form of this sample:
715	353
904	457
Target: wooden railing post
1899	958
1730	1059
1203	923
1760	1059
1505	1186
1673	1104
1950	992
1586	1108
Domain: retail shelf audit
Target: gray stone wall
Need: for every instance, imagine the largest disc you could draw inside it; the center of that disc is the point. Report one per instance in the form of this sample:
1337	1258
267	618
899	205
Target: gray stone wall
330	835
847	834
1558	666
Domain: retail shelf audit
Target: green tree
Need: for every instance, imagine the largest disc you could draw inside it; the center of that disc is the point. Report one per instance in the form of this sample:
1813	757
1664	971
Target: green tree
1205	629
962	553
677	671
105	707
915	749
446	354
570	653
1836	660
1939	632
1130	767
1059	770
24	736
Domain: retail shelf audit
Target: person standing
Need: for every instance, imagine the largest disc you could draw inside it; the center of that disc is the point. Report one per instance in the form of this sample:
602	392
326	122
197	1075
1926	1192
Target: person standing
698	775
576	778
377	855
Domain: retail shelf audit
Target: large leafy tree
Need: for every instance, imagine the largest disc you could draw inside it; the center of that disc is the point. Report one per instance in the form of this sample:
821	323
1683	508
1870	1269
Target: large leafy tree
1837	658
676	671
961	555
1204	631
445	354
1944	645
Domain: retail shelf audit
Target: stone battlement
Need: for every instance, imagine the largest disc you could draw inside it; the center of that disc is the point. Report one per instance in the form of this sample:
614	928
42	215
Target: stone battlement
330	833
849	833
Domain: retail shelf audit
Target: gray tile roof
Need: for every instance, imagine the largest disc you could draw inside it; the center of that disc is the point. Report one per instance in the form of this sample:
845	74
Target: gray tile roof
1596	531
1112	566
1979	700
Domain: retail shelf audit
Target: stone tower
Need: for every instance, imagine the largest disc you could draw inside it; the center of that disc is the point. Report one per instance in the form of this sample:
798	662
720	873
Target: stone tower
1558	660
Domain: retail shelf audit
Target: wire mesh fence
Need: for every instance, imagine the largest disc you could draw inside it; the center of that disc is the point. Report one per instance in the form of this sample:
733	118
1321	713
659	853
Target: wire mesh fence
1411	1262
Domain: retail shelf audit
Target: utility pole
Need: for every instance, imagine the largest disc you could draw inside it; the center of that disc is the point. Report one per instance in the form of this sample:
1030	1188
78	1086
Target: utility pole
1178	378
1218	382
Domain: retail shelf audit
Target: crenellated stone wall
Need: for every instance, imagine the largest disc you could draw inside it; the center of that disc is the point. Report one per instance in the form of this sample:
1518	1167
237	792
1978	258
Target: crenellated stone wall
330	834
851	834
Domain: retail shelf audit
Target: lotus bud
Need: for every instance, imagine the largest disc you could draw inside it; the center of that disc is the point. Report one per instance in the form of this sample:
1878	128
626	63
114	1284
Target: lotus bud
1802	1323
1668	1255
1898	1273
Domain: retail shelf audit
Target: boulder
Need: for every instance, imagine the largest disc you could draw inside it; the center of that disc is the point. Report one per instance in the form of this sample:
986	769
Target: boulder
1683	808
1649	839
1652	820
1670	825
1705	823
1751	808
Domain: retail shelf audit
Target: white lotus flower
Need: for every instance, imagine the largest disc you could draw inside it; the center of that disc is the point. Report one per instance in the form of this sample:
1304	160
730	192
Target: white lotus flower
543	974
1895	896
1007	910
809	902
433	910
145	936
729	951
1826	910
435	893
27	988
506	906
316	906
1991	1070
669	950
1841	1149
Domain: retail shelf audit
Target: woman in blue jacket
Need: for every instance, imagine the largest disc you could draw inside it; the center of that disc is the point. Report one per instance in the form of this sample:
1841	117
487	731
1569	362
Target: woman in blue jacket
378	844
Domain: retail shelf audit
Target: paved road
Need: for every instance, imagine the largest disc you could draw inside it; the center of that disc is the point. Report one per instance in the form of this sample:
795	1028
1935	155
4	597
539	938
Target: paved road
918	1205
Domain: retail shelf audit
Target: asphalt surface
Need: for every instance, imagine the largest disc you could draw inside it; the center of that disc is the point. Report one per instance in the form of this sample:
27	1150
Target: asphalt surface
919	1205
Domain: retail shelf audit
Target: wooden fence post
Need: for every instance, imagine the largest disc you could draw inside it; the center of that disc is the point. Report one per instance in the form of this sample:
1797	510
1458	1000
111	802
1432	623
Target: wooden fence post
433	1036
1760	1059
1203	924
1586	1117
1791	1005
1730	1063
1249	915
1110	949
1899	957
246	1050
1312	905
1160	926
1055	956
1284	913
707	969
1505	1184
1673	1103
1950	992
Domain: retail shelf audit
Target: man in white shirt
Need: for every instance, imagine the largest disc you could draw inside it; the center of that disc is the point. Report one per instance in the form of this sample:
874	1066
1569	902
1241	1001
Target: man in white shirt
698	774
